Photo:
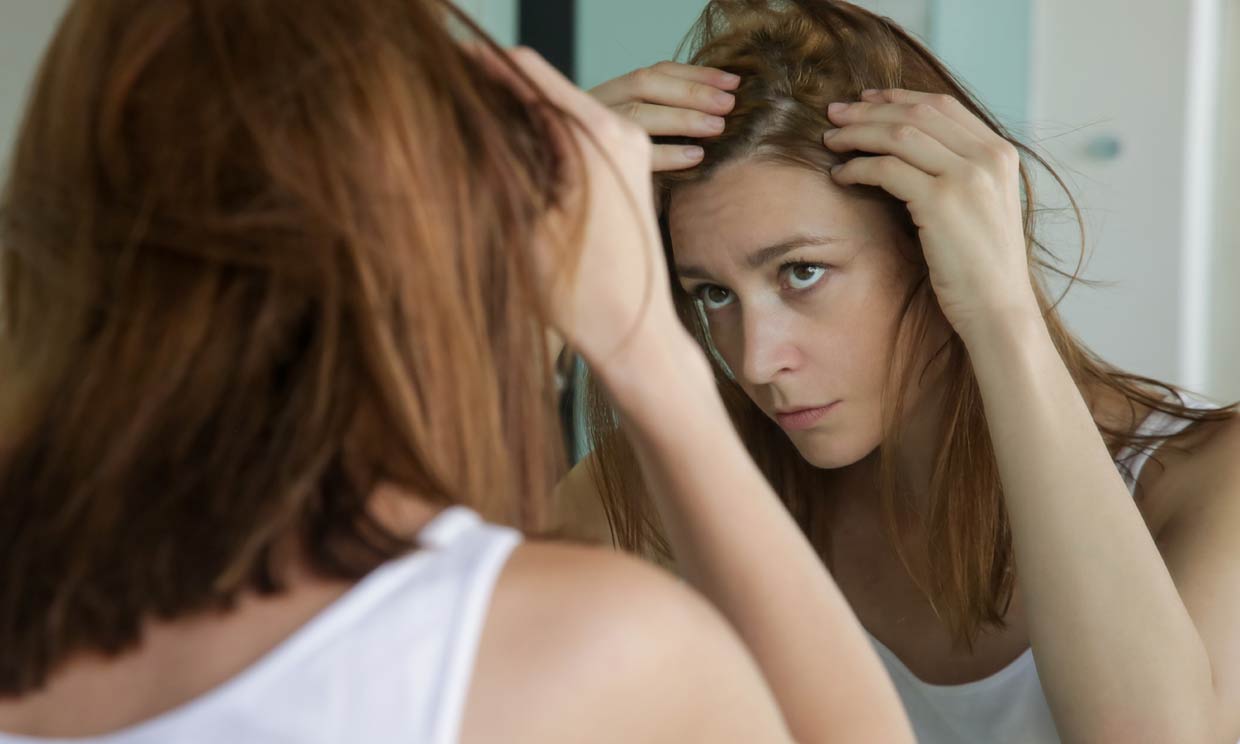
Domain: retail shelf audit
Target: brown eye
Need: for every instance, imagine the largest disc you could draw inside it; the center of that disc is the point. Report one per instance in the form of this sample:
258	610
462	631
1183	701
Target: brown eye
804	276
713	297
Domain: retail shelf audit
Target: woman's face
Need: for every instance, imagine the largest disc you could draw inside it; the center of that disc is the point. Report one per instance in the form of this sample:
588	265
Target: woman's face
802	285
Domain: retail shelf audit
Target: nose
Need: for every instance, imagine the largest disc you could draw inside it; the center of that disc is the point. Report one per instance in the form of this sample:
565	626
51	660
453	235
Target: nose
769	349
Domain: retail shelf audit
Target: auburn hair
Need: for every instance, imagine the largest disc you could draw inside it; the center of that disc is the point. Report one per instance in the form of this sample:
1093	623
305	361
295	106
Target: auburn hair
257	257
794	58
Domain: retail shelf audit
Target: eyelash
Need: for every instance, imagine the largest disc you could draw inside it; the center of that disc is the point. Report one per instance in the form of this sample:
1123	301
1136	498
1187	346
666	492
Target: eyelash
700	290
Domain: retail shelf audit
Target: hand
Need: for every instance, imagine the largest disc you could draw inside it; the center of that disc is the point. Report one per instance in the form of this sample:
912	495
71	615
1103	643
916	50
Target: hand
960	180
670	98
618	295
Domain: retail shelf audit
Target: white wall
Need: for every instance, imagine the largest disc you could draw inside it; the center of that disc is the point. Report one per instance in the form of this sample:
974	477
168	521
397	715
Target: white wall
1133	73
1224	370
25	29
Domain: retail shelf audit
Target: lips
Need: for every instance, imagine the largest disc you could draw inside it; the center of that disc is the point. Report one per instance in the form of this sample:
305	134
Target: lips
796	419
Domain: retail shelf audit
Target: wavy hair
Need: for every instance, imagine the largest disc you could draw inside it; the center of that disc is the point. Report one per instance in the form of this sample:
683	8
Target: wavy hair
795	57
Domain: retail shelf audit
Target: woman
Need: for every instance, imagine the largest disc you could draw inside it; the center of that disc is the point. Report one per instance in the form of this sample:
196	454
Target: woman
277	279
848	234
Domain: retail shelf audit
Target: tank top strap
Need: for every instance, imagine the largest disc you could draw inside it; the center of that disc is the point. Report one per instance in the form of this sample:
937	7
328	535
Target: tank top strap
1156	424
481	550
448	526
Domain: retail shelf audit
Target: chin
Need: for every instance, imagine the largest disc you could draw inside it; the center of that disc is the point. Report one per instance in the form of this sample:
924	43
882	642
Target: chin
831	452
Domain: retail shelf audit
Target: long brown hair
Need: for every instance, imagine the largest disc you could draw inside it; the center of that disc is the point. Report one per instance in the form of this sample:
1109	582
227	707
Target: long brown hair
794	58
257	257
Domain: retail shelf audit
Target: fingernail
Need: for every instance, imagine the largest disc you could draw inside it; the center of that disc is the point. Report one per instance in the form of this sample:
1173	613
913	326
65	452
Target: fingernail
869	92
713	124
830	133
836	108
730	79
724	99
692	152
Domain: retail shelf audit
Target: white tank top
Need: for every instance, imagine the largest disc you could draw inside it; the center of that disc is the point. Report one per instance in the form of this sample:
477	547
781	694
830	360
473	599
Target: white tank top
387	663
1009	706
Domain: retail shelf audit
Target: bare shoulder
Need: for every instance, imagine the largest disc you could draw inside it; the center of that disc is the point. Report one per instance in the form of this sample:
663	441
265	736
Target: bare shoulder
1198	544
585	645
1203	464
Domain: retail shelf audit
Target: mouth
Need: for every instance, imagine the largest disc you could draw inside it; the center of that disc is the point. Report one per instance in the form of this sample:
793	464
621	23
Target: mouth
796	419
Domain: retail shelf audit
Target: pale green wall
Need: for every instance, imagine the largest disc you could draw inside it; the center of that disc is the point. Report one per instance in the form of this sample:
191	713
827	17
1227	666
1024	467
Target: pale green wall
987	42
497	17
615	37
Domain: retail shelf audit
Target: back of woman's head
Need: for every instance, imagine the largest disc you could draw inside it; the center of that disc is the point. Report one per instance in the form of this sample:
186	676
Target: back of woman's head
258	256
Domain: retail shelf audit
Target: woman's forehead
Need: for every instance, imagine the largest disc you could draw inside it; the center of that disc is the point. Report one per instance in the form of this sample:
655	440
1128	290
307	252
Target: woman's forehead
755	203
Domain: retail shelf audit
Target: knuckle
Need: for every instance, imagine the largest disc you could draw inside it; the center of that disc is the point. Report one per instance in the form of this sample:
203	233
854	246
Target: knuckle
975	178
663	66
701	92
692	121
629	110
922	111
1007	154
904	132
944	101
641	77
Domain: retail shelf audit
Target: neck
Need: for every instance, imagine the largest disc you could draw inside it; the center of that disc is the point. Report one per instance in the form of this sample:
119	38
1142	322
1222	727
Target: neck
858	485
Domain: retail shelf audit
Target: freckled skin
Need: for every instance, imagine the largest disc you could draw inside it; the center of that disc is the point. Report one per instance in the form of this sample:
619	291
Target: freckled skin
790	341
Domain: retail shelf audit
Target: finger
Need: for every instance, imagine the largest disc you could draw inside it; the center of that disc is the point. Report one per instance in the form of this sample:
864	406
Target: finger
651	86
665	120
887	172
904	141
675	157
921	115
721	79
949	106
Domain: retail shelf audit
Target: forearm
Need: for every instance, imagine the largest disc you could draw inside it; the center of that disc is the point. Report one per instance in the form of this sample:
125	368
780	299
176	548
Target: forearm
1117	652
739	546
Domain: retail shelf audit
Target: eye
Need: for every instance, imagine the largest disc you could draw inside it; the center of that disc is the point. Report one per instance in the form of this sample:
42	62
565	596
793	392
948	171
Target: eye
713	297
803	275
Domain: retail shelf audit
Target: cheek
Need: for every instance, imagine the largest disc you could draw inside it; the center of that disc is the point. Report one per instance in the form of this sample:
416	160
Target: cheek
852	358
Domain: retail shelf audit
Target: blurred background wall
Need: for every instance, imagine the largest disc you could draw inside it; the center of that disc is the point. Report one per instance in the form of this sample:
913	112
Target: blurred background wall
1137	105
25	28
1224	372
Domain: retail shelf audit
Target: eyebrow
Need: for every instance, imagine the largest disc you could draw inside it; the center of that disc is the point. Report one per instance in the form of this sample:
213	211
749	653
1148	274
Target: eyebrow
762	256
